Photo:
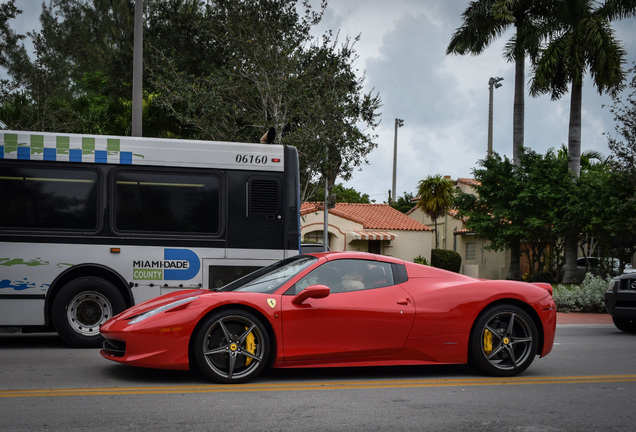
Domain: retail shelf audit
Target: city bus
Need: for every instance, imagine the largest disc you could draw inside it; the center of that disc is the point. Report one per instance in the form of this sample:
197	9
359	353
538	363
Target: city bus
91	225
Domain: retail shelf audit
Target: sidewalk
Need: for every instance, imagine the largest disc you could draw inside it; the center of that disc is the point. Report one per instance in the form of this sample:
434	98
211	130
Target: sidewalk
584	318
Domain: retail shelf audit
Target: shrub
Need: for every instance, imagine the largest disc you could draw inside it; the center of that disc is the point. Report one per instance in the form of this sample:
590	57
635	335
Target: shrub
588	297
421	260
446	259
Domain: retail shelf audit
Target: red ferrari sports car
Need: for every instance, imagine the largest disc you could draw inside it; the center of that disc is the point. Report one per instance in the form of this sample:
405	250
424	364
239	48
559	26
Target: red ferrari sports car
338	309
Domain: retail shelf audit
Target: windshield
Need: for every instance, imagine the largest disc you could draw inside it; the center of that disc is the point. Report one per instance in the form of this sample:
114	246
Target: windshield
269	279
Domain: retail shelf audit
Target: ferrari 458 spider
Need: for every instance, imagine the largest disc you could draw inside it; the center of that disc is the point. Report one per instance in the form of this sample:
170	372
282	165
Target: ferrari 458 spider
338	309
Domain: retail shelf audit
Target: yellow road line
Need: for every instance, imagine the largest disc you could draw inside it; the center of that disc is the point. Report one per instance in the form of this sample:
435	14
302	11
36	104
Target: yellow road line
318	385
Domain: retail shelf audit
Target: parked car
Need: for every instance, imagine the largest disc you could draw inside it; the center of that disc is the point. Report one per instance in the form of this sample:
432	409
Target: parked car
312	248
338	309
620	301
596	265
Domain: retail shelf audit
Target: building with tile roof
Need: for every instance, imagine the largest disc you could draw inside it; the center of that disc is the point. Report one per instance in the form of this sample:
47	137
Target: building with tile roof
477	261
375	228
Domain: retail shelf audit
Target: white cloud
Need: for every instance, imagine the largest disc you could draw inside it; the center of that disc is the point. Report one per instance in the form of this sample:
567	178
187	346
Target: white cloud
444	99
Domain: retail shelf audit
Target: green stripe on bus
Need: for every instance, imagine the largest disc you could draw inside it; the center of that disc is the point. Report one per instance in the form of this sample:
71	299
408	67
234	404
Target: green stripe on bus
112	144
88	145
37	141
62	144
37	144
10	143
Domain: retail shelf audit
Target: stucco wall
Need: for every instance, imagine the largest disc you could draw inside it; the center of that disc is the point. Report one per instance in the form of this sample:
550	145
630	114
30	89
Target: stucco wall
410	244
491	264
407	244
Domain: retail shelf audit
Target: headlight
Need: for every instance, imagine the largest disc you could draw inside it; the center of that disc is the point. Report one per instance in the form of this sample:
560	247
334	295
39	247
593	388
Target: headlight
160	309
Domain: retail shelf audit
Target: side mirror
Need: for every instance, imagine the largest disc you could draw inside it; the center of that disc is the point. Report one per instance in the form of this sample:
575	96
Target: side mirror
313	291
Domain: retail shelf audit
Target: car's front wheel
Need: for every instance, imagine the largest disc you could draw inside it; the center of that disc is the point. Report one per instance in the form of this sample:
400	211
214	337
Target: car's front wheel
625	325
231	346
503	342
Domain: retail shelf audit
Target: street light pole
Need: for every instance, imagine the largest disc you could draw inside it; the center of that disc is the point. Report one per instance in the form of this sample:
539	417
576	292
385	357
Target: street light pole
398	124
137	99
493	83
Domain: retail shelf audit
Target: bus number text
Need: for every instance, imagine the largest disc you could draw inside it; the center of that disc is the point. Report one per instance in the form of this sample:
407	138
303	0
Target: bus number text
251	159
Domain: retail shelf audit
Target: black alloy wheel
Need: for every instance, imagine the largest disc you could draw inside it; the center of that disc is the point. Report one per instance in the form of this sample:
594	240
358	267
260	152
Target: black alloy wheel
231	346
503	342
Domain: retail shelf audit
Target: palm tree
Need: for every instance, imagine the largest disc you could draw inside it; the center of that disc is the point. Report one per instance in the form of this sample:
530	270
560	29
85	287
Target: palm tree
580	38
435	198
589	158
483	22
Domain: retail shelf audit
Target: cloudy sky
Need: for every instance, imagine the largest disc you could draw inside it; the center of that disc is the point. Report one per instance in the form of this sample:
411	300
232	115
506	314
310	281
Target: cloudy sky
442	99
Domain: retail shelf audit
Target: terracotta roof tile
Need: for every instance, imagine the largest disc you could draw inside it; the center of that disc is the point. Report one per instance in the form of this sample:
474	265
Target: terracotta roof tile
462	231
469	181
371	216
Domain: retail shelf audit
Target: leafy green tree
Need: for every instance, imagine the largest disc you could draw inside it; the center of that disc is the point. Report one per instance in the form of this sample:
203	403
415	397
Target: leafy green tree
623	143
546	206
580	38
529	204
489	212
607	205
8	38
620	215
404	203
79	60
333	124
342	195
274	73
435	195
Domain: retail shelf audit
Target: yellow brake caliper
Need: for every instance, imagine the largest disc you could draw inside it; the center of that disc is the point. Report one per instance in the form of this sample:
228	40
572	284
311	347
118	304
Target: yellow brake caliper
250	346
487	342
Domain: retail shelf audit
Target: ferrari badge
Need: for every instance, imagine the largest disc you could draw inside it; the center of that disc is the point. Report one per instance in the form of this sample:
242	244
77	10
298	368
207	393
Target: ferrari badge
271	302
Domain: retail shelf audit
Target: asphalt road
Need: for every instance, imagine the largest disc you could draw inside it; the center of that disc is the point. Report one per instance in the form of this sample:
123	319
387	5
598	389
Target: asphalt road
587	383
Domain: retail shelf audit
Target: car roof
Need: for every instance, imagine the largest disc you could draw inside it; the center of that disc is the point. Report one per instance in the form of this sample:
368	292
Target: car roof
334	255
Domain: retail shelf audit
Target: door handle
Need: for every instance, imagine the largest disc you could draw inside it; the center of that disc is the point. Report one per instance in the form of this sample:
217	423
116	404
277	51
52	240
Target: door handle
403	301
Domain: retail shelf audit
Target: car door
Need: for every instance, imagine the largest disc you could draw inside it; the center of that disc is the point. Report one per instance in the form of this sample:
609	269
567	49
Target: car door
371	320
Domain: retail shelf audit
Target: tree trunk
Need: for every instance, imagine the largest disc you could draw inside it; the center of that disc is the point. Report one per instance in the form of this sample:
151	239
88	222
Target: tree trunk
518	115
574	154
436	238
514	271
570	251
574	132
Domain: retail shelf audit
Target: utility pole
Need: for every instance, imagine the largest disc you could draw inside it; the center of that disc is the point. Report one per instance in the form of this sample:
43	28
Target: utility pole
493	83
325	229
137	99
398	124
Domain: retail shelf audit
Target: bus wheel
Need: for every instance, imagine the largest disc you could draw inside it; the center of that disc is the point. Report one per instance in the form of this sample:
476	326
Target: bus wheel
82	306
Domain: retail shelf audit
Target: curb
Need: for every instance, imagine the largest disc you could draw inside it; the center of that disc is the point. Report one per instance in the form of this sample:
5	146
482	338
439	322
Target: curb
584	318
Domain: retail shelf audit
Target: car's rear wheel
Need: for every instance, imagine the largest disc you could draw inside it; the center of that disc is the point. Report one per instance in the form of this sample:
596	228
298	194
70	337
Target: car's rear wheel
624	324
503	342
231	346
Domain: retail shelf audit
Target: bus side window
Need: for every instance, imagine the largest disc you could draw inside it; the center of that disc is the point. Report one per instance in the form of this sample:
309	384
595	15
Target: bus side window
167	202
49	198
